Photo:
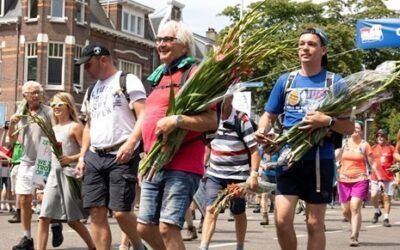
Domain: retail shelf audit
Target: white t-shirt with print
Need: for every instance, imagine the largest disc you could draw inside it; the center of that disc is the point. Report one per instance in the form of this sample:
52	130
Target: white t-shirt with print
111	120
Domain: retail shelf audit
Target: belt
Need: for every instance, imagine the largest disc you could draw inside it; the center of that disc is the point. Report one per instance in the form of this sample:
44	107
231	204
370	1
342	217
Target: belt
108	149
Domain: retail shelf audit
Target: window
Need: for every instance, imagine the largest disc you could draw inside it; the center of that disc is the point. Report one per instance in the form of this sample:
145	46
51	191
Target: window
80	11
2	7
78	69
130	67
133	23
32	9
57	8
55	64
31	62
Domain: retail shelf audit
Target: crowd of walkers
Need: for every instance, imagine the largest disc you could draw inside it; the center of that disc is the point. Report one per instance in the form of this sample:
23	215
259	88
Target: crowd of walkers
123	122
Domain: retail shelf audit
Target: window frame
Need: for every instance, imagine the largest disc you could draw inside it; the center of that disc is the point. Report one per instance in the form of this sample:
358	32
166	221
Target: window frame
29	10
27	57
136	15
2	6
137	67
53	85
77	55
83	4
62	17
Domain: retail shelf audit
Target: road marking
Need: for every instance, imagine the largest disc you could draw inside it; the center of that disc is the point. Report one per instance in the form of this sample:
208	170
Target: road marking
372	226
222	245
333	232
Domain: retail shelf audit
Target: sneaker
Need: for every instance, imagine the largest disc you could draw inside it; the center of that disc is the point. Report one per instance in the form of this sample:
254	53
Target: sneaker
24	244
16	217
265	220
386	223
354	242
58	237
376	217
191	234
257	210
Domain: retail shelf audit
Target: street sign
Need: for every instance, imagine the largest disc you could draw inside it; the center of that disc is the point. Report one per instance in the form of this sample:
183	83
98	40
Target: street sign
253	84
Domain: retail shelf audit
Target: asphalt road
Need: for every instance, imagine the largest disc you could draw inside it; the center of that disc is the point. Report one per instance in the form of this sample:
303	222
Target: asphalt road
372	236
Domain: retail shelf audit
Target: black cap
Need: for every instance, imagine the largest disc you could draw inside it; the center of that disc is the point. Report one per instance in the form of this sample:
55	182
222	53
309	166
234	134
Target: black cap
92	50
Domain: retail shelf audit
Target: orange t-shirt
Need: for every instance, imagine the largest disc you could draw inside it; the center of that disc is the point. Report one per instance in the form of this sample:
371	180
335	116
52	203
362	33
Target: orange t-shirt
383	156
353	166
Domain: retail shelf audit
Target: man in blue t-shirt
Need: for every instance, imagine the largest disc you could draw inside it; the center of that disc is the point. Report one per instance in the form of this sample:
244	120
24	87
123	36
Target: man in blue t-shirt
297	95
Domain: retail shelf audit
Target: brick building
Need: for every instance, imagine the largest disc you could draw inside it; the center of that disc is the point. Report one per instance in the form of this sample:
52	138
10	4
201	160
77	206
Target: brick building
41	39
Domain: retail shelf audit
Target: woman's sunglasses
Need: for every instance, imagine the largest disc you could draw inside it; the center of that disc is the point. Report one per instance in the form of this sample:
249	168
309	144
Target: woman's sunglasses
57	104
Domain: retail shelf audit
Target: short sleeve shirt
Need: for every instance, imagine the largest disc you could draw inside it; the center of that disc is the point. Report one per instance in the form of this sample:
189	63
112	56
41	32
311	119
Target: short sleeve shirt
110	112
307	101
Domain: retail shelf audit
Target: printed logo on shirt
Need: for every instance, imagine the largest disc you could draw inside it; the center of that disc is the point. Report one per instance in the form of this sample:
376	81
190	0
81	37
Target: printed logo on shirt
305	100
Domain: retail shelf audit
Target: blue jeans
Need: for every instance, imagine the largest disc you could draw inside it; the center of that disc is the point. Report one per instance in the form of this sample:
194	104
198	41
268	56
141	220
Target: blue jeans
167	197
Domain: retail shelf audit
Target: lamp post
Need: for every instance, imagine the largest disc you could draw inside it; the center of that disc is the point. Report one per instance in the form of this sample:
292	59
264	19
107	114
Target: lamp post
366	127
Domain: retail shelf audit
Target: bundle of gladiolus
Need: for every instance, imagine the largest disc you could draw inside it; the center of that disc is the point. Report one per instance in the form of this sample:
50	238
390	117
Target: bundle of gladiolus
395	168
228	65
56	146
237	190
357	93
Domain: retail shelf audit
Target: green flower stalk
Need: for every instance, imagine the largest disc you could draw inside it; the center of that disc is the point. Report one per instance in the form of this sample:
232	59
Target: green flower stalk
56	147
363	89
223	68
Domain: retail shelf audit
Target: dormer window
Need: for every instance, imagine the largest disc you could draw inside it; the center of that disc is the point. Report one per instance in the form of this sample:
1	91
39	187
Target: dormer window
132	22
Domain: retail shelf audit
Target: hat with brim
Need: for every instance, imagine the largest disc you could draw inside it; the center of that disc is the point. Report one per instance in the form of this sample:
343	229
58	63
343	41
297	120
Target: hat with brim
92	50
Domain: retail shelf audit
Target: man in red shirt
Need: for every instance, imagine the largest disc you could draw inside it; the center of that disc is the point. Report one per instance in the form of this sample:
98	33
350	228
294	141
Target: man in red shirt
383	156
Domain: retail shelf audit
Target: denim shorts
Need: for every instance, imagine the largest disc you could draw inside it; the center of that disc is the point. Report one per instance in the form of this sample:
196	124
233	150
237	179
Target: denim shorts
167	197
106	183
213	185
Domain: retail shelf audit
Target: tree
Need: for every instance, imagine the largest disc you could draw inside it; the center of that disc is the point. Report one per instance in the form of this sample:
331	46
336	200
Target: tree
337	18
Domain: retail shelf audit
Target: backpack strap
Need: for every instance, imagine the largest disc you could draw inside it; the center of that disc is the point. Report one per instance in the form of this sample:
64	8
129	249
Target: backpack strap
290	80
240	116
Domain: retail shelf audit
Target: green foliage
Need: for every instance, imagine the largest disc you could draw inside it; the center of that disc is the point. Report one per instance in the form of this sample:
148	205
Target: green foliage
337	18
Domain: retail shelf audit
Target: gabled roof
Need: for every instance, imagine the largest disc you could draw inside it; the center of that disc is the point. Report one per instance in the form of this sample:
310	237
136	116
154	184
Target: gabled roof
98	15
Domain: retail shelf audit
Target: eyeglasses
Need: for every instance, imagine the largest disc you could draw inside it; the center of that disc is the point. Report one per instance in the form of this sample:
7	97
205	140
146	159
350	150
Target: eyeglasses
380	136
165	39
37	92
57	104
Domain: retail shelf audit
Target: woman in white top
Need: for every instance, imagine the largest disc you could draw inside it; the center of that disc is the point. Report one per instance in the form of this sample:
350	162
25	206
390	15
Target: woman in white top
58	202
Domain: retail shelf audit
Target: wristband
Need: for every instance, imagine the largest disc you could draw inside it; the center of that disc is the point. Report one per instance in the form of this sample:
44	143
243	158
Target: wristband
81	159
254	173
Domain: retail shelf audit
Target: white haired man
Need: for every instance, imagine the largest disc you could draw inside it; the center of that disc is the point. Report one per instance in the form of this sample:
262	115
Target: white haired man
33	93
164	201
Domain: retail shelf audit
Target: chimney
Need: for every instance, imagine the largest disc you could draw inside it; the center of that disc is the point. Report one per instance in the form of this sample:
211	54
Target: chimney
211	34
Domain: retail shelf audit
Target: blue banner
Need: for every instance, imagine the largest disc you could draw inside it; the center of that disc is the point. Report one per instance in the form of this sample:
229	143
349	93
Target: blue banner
3	111
378	33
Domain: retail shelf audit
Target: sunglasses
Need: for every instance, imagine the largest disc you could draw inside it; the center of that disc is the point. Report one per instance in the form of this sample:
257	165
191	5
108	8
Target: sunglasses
57	104
165	39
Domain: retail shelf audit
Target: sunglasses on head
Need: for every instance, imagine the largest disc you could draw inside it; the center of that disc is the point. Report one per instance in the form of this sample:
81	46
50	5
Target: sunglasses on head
165	39
57	104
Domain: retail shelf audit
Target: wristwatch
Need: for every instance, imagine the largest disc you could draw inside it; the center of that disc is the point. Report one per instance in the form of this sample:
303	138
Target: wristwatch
332	121
254	173
179	120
